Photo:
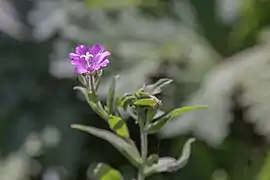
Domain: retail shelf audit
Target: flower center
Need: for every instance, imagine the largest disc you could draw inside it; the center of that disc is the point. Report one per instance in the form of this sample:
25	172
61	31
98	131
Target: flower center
87	57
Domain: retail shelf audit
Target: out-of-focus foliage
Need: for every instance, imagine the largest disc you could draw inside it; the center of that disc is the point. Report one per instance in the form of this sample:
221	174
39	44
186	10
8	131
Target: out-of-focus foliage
196	43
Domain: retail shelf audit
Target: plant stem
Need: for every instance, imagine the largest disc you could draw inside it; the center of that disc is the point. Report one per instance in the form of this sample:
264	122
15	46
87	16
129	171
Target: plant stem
144	146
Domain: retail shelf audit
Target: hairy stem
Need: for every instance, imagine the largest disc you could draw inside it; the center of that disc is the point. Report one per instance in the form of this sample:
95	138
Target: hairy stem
144	145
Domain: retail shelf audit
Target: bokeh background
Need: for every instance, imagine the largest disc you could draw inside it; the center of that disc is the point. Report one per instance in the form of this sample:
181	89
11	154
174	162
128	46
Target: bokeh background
216	51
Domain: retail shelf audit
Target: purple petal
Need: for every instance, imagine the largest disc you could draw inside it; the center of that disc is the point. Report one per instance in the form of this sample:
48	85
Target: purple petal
95	49
81	49
99	58
73	55
80	69
77	62
104	63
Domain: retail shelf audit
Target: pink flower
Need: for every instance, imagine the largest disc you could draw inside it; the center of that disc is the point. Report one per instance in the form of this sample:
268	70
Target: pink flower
87	60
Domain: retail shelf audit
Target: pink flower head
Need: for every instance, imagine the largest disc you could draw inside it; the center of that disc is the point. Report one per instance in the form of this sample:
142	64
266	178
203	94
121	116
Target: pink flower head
89	59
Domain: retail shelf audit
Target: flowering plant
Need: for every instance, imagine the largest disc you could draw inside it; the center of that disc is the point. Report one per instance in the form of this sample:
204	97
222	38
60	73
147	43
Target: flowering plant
143	106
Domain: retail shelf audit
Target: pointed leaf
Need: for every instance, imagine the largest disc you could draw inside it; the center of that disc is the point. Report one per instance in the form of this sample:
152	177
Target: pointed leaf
152	159
126	101
151	112
118	126
110	97
82	79
169	164
157	87
127	148
84	91
157	125
97	107
106	172
145	102
179	111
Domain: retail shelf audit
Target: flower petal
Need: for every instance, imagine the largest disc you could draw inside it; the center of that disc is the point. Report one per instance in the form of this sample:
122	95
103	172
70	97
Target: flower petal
99	58
73	55
81	49
80	69
104	63
95	49
78	62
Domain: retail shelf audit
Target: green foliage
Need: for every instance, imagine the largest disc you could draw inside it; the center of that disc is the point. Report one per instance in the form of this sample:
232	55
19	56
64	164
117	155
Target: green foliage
145	102
157	87
160	122
118	126
169	164
106	172
179	111
127	148
110	98
145	105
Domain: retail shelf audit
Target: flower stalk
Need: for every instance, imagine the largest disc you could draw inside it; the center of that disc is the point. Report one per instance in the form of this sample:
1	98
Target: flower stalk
144	152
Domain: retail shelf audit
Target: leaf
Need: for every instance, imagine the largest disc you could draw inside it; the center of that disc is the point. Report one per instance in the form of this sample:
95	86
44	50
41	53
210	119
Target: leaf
97	107
179	111
151	112
82	79
169	164
106	172
110	97
84	91
127	148
152	159
145	102
118	126
157	125
126	100
157	86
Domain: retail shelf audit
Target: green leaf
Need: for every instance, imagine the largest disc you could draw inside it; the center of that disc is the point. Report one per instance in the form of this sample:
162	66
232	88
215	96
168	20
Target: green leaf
126	147
157	87
97	107
151	112
110	97
145	102
118	126
152	159
157	125
126	101
179	111
169	164
84	91
106	172
82	79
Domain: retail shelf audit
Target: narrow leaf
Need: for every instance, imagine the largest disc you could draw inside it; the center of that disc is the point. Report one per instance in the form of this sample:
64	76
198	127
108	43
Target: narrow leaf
118	126
152	159
126	101
151	112
157	86
127	148
84	91
110	97
169	164
106	172
145	102
179	111
97	107
157	125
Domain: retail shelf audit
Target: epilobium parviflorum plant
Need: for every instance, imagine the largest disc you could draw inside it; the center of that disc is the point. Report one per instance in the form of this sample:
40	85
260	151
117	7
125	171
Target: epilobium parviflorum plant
142	105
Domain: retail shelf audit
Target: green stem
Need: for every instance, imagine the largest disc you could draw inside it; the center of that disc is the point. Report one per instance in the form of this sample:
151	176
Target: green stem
92	88
144	145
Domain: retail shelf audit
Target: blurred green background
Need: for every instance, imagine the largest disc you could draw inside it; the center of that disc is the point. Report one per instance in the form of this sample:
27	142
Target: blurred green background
217	52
